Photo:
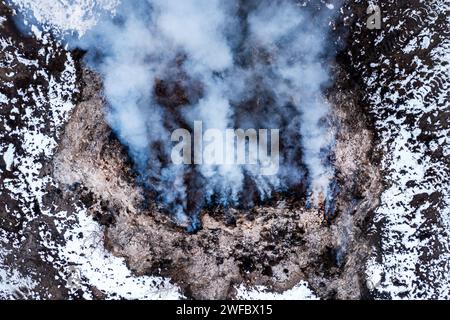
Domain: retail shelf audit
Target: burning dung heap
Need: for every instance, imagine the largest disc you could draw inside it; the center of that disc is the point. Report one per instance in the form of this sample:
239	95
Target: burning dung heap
255	230
275	244
253	65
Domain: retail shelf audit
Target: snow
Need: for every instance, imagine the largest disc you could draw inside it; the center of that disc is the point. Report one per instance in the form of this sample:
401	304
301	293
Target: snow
3	98
8	156
300	292
12	283
98	267
426	41
67	15
30	143
374	273
415	252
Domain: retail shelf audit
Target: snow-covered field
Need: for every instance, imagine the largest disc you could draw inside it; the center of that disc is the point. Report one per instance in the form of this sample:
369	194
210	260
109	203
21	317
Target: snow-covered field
410	99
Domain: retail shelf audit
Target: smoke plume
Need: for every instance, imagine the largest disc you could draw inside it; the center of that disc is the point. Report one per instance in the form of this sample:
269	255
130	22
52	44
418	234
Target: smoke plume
230	64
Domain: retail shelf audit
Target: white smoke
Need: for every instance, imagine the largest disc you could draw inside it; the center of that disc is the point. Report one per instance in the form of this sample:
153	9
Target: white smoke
237	64
298	43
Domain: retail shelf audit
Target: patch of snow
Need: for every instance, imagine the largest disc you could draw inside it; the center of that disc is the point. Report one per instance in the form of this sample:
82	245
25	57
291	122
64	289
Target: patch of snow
8	156
67	15
425	42
300	292
374	273
85	251
12	283
3	98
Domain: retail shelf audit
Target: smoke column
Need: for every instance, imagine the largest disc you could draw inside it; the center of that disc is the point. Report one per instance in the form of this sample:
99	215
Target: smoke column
229	64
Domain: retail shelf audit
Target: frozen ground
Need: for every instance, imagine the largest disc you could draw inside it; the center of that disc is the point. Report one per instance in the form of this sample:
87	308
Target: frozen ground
409	97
